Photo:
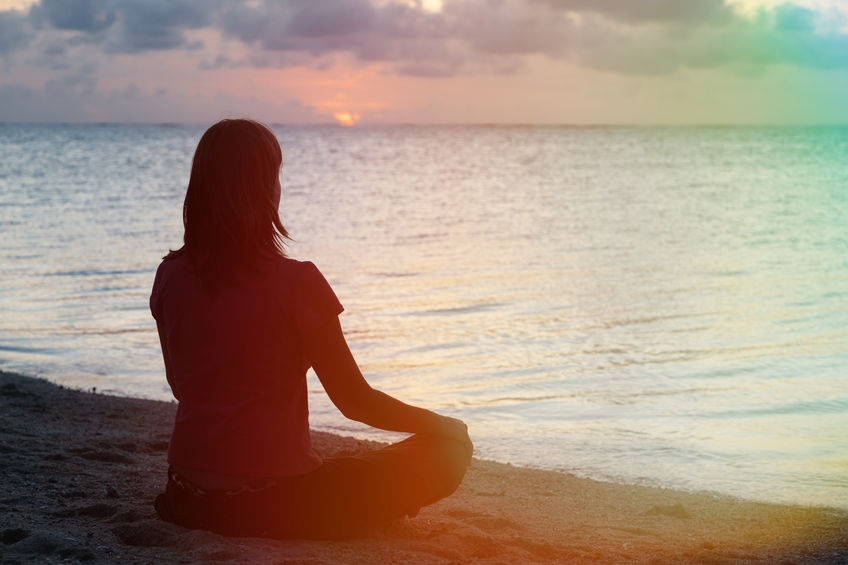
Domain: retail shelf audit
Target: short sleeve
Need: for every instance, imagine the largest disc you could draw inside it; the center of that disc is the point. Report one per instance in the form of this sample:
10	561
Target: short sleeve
315	302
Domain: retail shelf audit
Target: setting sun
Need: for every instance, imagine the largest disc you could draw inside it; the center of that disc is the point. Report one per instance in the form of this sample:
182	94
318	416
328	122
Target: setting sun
346	119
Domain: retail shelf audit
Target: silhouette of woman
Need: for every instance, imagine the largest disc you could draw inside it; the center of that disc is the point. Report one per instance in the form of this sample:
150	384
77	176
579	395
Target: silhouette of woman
240	324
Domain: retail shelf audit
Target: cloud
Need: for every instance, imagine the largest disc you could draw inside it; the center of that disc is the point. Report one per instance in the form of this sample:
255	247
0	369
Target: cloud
464	37
788	35
74	15
14	31
688	12
76	97
126	26
492	36
61	97
159	24
387	33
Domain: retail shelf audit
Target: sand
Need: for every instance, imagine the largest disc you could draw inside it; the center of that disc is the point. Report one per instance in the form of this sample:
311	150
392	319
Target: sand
80	471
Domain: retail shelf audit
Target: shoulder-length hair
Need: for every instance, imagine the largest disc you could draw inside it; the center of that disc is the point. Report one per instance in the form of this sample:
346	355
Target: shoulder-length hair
230	213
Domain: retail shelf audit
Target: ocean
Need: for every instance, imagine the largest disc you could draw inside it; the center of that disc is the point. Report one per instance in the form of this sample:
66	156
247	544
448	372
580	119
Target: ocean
649	305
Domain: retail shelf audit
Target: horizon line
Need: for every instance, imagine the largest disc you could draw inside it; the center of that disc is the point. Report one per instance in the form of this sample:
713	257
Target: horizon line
166	123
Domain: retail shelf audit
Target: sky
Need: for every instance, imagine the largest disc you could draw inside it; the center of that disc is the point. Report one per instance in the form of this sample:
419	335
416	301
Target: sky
425	61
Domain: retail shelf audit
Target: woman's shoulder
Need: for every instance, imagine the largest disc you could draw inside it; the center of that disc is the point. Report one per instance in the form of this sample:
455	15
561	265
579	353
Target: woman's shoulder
311	299
296	273
293	267
303	276
272	270
172	263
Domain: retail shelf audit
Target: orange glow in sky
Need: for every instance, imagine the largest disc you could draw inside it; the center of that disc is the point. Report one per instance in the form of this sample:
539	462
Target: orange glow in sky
346	118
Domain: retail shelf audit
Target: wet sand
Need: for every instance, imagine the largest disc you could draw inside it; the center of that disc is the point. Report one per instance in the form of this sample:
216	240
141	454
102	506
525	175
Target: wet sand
80	471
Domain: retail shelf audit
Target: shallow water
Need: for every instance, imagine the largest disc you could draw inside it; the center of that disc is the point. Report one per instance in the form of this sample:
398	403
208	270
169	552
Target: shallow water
656	305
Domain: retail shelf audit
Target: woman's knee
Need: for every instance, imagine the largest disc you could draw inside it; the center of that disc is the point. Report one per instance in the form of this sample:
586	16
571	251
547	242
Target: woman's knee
456	461
448	460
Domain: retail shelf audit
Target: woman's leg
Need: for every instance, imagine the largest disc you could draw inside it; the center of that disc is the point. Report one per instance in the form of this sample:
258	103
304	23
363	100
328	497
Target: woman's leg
350	495
346	496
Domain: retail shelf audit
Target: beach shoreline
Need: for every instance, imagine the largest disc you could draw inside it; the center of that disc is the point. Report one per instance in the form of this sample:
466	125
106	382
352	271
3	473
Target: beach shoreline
81	470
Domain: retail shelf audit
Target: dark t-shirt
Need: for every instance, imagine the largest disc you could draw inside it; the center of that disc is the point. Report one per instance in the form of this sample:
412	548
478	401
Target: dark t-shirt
238	366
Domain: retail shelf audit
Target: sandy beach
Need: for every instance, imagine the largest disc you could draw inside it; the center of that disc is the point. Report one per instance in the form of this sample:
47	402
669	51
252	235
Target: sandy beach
80	471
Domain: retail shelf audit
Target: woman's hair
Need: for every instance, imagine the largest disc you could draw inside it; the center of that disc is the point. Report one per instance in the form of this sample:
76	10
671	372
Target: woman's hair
230	211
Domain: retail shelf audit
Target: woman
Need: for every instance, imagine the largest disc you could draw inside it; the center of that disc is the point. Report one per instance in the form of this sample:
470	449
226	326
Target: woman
239	324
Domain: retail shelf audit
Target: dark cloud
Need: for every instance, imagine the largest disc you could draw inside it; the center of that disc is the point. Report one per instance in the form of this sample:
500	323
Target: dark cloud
368	32
158	24
514	29
74	15
127	26
330	18
473	36
15	32
465	37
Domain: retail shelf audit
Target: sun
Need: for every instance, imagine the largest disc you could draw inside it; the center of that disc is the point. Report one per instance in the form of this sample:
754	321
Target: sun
346	119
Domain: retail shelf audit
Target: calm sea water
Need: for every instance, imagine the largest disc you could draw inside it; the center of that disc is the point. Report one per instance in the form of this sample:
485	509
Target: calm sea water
651	305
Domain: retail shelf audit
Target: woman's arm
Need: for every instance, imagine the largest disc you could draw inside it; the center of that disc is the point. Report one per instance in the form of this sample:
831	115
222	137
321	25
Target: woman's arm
169	373
327	350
